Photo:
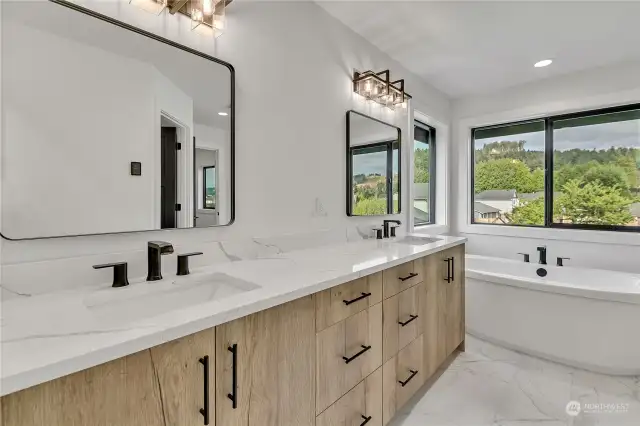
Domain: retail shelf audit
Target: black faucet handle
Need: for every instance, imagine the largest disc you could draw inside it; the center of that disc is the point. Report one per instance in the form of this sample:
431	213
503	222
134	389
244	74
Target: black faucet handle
183	262
527	258
378	232
561	259
120	278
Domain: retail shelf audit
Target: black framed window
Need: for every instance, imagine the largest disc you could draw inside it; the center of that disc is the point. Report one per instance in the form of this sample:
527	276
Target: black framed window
209	187
424	174
375	178
579	171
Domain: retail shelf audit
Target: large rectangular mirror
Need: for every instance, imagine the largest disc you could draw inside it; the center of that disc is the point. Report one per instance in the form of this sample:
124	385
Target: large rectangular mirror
108	129
373	166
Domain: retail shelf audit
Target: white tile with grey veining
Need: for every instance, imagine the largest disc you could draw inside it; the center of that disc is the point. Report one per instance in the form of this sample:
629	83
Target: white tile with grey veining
492	386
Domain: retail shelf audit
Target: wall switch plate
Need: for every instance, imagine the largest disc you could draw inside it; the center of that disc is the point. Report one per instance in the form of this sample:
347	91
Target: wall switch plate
136	168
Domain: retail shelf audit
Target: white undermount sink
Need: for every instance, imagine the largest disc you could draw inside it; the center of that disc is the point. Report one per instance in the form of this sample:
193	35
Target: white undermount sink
416	241
148	299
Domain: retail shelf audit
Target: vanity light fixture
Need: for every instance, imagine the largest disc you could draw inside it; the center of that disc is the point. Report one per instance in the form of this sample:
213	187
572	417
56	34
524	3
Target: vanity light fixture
207	16
378	87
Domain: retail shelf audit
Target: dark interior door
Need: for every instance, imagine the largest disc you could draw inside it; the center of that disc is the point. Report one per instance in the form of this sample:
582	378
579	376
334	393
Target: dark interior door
168	159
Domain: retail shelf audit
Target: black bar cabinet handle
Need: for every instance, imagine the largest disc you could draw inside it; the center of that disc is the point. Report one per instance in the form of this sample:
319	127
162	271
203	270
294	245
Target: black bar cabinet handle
366	420
413	374
448	260
453	269
364	296
411	318
205	411
364	349
233	396
411	275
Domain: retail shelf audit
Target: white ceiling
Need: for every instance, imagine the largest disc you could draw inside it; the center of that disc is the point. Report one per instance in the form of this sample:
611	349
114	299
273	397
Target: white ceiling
476	47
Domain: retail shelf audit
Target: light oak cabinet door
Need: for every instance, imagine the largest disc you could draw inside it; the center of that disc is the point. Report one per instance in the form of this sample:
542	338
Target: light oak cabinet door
400	278
433	305
402	376
271	377
401	320
340	302
347	352
161	386
453	321
361	405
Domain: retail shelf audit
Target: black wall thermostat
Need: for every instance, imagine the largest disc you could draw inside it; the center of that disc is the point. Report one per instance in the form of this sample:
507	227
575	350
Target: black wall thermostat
136	168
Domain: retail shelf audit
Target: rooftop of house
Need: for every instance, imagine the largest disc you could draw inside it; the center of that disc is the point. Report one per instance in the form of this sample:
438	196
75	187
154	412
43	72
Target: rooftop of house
497	194
482	208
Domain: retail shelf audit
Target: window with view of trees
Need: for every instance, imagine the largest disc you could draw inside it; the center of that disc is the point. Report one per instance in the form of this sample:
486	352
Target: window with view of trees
373	167
575	171
423	174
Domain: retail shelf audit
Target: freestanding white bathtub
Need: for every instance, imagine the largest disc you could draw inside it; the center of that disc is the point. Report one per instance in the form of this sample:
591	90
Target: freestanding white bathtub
587	318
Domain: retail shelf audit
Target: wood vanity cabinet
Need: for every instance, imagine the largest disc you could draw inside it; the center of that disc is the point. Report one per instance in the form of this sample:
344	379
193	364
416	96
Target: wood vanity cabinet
350	355
161	386
271	377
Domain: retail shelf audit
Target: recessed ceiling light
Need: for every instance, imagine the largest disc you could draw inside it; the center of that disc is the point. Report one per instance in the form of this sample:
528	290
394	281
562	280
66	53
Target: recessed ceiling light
544	63
223	113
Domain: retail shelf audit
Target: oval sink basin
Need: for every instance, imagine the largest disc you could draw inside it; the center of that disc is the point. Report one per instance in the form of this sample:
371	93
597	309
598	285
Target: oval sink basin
416	241
148	299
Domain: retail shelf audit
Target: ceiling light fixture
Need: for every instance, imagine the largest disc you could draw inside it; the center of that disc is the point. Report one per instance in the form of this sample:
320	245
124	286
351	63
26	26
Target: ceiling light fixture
377	87
224	114
207	16
544	63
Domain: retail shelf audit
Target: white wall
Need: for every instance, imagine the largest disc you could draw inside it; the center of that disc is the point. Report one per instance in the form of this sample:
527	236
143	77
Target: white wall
55	114
294	65
74	117
592	89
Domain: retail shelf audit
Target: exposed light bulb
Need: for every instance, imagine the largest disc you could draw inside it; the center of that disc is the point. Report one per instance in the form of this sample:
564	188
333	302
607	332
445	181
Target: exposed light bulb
207	7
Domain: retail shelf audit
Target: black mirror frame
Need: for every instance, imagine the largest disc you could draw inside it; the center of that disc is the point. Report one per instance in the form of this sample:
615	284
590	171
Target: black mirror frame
232	119
349	168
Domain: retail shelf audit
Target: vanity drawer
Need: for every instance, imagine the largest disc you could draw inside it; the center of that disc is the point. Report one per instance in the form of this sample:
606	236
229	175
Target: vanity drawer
346	353
360	404
402	376
340	302
401	320
401	277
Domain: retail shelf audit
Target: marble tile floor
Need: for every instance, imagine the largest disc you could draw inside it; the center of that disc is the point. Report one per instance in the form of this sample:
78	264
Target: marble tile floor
491	386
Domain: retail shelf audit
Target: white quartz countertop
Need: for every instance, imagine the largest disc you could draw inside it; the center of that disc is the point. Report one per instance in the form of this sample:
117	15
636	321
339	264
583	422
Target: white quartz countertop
55	334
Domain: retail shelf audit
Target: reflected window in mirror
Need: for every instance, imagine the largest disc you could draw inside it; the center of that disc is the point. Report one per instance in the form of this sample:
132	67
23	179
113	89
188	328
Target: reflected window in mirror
424	174
373	166
209	179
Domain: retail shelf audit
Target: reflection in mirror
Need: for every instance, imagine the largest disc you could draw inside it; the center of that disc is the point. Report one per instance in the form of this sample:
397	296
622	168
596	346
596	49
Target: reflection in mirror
109	130
373	166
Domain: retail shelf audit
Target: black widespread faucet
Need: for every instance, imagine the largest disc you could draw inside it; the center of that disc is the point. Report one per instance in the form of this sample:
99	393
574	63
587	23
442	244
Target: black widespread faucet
385	226
155	249
543	255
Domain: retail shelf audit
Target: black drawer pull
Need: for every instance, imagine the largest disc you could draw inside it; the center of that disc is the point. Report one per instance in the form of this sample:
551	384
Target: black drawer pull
364	296
233	396
413	374
411	275
366	420
448	279
411	318
453	268
205	411
364	349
